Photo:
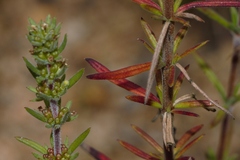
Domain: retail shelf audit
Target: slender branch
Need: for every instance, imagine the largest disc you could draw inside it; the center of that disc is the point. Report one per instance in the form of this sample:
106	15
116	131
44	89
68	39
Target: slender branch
56	131
227	127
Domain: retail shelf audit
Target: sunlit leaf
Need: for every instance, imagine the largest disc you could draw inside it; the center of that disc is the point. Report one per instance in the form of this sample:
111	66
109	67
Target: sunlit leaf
75	78
32	144
78	141
93	152
121	73
148	138
183	140
137	151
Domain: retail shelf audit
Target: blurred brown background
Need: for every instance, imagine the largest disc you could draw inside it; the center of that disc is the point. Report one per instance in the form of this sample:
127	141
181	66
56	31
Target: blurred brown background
105	30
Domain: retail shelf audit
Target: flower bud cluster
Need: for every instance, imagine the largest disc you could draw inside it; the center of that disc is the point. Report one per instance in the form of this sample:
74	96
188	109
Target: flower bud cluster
63	156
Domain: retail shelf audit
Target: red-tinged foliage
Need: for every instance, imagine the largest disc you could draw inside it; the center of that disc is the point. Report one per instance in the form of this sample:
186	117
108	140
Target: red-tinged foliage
140	99
186	113
137	151
150	6
194	104
148	138
94	153
209	3
123	83
186	137
121	73
171	77
178	82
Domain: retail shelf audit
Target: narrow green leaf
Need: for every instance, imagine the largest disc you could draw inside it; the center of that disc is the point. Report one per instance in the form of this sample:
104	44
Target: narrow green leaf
78	141
32	69
36	114
150	49
177	3
33	89
211	76
149	33
32	144
74	79
37	156
63	45
74	156
217	119
194	104
234	16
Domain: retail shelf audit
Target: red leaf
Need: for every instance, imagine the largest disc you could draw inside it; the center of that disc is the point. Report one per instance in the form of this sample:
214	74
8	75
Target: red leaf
137	151
93	152
148	138
209	3
185	113
171	77
126	84
186	137
140	99
121	73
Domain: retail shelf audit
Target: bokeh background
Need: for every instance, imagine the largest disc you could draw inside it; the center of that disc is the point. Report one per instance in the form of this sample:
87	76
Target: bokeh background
105	30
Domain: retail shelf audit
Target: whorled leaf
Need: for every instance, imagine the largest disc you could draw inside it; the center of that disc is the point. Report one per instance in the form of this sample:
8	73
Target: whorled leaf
123	83
94	153
63	45
148	138
32	144
183	140
121	73
177	3
137	151
78	141
75	78
149	6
